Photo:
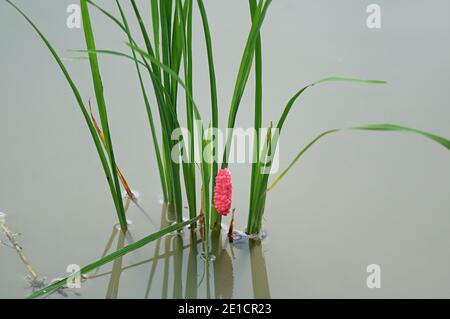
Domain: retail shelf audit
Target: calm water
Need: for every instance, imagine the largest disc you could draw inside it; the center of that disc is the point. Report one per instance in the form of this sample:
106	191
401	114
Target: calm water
355	199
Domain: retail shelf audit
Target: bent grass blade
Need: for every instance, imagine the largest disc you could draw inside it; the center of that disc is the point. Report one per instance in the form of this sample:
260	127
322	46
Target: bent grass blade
369	127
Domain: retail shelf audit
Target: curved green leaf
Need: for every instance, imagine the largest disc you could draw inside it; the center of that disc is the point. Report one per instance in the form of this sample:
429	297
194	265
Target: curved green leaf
369	127
294	98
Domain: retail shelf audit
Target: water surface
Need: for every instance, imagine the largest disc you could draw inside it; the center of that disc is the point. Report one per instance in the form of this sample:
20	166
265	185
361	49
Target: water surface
355	199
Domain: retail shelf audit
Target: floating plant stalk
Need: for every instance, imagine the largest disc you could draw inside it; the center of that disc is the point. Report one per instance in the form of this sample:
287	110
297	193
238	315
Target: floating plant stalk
11	238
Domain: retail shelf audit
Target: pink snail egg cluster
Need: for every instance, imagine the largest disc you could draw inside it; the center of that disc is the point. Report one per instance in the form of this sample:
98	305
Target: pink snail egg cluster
223	192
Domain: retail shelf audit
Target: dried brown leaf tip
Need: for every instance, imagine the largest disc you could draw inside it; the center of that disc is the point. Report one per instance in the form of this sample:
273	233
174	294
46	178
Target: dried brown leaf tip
124	182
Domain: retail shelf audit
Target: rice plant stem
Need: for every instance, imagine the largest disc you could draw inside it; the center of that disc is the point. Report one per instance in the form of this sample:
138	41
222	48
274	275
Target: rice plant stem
257	119
215	218
186	50
98	88
244	71
161	172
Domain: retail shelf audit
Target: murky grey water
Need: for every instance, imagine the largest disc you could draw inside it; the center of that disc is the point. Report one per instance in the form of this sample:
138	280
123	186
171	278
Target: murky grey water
356	199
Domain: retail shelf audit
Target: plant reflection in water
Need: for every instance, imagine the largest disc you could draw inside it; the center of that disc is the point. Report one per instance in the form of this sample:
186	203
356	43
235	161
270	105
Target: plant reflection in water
184	270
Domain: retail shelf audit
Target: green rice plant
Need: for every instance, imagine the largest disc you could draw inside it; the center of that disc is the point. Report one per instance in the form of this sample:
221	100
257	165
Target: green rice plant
172	24
174	33
107	160
166	56
263	152
166	96
260	187
169	68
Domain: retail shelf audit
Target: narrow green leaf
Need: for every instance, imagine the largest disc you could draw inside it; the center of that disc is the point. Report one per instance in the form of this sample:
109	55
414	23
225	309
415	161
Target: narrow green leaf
106	13
155	23
370	127
161	171
291	102
214	103
98	88
185	43
255	175
244	71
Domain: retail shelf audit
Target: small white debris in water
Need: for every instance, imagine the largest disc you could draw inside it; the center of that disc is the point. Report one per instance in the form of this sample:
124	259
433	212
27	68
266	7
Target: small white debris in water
263	234
129	223
160	199
2	217
239	238
136	195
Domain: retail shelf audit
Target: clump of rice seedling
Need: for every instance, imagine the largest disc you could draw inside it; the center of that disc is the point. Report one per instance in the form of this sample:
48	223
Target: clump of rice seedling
166	58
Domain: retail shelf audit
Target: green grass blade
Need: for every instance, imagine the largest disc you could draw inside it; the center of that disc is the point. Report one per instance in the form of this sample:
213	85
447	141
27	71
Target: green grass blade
111	257
108	14
370	127
214	104
244	71
166	128
258	197
165	68
155	24
167	120
291	102
260	182
156	146
255	174
185	43
172	74
144	32
166	48
95	138
98	88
